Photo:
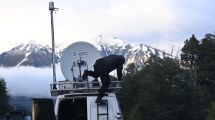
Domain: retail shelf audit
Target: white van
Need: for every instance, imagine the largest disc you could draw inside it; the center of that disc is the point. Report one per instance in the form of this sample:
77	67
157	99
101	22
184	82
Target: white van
75	97
82	106
77	105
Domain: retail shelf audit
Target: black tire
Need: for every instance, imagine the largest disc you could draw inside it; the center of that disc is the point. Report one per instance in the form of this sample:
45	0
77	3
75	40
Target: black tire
42	109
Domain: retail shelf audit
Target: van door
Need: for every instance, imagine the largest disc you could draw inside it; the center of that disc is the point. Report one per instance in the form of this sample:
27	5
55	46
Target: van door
106	111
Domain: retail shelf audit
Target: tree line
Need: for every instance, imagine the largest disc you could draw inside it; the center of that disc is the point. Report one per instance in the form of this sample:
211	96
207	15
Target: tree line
173	89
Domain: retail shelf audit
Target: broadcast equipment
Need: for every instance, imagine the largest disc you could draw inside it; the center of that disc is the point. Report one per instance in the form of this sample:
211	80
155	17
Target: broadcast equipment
76	58
75	97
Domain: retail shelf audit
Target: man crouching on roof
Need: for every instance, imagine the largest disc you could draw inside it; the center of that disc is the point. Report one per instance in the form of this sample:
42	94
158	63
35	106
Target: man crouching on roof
102	68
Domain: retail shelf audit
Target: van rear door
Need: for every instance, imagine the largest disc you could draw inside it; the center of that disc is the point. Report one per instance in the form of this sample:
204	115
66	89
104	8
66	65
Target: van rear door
106	111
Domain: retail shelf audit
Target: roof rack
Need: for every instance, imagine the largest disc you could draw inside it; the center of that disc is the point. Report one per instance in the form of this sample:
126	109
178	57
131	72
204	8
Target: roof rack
68	87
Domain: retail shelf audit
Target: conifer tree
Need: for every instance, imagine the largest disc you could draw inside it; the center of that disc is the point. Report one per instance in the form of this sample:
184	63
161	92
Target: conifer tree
207	64
190	57
4	98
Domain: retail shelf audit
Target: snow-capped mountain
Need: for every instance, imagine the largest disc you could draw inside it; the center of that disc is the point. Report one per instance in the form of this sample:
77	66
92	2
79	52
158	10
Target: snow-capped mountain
136	54
30	54
33	54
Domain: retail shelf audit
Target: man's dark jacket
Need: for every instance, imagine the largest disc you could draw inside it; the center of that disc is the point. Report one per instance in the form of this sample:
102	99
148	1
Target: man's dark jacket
111	63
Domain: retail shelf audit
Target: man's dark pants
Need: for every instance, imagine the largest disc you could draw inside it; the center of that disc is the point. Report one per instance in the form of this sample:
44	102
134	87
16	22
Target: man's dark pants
100	70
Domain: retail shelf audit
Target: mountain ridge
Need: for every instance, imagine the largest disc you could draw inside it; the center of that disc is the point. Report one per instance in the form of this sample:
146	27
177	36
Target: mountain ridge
29	54
34	54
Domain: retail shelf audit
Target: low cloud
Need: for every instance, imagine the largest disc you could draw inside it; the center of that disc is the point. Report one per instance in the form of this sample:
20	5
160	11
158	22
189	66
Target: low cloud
29	81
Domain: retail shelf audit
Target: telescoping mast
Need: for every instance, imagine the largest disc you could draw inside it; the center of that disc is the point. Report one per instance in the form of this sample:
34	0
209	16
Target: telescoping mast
52	9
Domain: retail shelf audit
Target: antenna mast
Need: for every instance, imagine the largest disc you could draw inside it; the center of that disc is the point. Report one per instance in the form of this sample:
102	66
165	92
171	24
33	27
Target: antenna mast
52	9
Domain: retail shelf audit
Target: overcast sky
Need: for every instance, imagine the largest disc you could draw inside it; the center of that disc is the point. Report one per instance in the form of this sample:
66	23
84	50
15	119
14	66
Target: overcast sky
159	23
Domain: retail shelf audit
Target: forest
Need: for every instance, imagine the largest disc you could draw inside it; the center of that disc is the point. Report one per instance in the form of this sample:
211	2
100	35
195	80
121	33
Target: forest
173	88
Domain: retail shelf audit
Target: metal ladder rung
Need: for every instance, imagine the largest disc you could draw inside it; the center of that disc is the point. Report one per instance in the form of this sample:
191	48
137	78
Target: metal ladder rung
100	114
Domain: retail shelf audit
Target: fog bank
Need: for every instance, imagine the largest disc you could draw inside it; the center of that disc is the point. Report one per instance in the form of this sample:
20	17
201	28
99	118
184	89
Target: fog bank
29	81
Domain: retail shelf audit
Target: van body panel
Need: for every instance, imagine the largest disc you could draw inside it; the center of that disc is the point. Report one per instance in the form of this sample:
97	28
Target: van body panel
84	106
94	109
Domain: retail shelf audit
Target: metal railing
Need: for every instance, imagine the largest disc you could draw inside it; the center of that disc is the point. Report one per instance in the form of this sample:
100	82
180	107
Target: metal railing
67	87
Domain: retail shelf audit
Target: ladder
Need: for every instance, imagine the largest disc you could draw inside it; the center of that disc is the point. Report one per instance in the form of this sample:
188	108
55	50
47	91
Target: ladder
99	105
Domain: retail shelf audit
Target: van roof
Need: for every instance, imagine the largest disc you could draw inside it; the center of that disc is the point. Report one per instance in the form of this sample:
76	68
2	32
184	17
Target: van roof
83	95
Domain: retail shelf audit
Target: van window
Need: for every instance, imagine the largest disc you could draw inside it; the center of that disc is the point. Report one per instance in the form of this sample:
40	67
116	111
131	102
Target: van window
73	109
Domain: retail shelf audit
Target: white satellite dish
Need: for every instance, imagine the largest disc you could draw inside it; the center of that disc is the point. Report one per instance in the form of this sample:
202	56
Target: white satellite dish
76	58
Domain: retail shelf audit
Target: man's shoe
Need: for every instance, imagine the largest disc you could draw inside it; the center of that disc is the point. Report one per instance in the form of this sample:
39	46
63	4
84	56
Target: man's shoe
84	76
100	102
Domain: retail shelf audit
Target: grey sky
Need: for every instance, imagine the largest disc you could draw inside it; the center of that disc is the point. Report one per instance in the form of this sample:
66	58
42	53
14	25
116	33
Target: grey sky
159	23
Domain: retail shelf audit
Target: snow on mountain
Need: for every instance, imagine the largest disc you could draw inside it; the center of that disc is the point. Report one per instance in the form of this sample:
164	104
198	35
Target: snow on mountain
29	54
34	54
134	53
100	42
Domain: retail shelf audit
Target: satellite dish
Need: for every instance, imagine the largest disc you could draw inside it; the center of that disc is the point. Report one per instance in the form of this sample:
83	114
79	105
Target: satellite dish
76	58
